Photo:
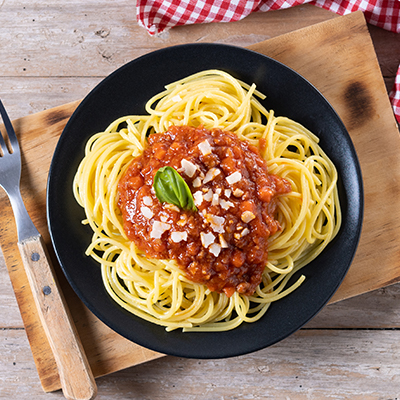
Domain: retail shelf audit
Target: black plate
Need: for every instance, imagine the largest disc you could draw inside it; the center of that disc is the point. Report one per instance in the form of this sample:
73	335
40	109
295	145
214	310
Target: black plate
125	92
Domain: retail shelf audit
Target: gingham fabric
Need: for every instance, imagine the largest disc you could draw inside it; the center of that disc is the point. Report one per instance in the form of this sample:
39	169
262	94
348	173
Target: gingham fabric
158	15
395	96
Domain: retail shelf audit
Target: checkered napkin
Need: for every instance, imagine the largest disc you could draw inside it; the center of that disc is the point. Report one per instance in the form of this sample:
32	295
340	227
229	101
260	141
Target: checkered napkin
158	15
395	96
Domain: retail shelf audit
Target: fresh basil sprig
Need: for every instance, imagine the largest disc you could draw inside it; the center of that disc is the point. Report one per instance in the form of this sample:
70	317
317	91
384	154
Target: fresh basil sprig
171	188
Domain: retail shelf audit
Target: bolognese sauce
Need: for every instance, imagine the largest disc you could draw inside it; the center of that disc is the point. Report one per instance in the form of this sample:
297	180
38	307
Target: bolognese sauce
224	243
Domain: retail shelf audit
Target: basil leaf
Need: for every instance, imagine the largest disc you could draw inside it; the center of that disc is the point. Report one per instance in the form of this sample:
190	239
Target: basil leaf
171	188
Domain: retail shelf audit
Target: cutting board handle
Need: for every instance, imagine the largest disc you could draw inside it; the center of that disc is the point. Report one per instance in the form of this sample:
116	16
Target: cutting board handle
77	380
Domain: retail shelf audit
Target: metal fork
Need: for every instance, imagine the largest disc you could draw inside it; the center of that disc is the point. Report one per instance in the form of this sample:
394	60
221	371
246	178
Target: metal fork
76	376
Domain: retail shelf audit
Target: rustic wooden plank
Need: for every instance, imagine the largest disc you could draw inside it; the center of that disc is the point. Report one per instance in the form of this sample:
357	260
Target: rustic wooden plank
18	375
316	365
378	309
9	311
111	37
40	40
309	365
23	96
43	84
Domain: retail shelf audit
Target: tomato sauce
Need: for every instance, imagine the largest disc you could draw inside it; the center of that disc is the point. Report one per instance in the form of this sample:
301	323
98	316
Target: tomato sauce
223	244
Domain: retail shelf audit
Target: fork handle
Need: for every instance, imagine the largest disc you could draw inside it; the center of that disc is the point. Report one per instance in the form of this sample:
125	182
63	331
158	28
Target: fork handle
77	380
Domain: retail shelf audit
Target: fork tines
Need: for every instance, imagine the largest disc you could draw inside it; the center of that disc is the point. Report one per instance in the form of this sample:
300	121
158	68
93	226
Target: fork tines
12	138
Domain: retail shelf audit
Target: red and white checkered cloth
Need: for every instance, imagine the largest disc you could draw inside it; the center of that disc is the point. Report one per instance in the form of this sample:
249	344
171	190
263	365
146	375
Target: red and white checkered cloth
394	96
158	15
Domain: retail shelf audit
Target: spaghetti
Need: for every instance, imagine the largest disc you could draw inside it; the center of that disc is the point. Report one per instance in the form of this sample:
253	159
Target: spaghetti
158	290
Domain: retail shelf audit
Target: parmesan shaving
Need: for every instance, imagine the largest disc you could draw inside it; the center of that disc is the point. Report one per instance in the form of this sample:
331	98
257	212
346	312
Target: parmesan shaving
198	198
182	221
177	237
225	204
216	222
245	232
188	168
197	182
172	207
247	216
234	178
238	192
208	196
205	147
211	174
147	213
206	239
158	229
176	99
215	249
222	241
215	199
147	201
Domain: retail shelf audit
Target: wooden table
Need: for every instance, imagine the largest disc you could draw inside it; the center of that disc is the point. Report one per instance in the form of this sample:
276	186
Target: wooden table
53	53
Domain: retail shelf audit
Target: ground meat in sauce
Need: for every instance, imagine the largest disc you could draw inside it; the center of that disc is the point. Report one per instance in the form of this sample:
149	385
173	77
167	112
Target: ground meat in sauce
224	243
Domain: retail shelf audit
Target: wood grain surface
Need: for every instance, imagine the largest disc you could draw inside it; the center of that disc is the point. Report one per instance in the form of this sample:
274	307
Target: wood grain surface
75	374
350	343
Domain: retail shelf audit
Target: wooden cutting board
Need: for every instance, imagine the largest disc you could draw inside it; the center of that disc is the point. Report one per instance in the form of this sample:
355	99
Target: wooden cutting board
338	57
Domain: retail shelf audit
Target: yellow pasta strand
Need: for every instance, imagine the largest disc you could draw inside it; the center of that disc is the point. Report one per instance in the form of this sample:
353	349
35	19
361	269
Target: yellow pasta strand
157	290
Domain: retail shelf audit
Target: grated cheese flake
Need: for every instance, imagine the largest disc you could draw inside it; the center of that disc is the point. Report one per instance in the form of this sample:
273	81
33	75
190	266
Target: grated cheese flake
147	213
177	237
238	192
182	221
147	201
215	199
172	207
211	174
205	147
176	98
208	196
225	204
247	216
216	222
196	182
158	229
188	167
222	241
198	198
215	249
234	178
206	239
245	232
